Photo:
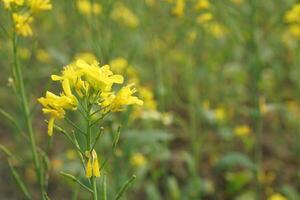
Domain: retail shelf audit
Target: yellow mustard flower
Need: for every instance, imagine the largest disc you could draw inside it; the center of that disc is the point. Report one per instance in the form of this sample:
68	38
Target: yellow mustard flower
178	9
100	78
294	30
124	15
118	65
124	97
202	4
293	15
138	160
22	24
88	57
277	196
39	5
217	30
148	97
86	8
242	130
219	114
9	3
205	17
92	165
42	55
54	106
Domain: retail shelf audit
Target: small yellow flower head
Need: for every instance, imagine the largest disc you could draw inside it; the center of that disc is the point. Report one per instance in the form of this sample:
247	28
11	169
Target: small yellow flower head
205	17
54	106
122	98
294	30
42	55
100	78
148	98
138	160
86	8
124	15
293	15
39	5
9	3
219	114
242	130
92	165
217	30
178	9
202	4
118	65
22	24
88	57
277	196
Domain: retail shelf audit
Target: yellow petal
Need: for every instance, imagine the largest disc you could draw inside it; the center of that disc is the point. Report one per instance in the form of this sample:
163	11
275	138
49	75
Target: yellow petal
96	171
88	172
50	126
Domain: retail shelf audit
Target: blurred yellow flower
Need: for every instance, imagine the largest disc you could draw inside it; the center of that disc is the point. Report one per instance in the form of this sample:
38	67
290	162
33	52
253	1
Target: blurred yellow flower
9	3
277	196
138	160
22	24
39	5
294	30
205	17
242	130
293	15
179	7
42	55
219	114
92	165
217	30
88	57
124	15
148	97
118	65
202	4
86	8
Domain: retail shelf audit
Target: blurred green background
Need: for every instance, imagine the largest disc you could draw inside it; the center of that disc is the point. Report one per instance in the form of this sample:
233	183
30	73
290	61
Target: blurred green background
221	86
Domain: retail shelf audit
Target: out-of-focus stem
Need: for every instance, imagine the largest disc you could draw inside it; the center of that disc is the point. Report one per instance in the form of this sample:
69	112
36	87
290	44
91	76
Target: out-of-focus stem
26	113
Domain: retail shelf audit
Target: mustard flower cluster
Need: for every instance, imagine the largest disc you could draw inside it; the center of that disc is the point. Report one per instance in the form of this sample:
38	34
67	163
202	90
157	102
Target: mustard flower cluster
82	81
292	17
23	12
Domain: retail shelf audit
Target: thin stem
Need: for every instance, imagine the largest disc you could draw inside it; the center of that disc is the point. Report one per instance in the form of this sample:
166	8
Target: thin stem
104	187
26	112
77	181
74	125
97	137
125	187
88	146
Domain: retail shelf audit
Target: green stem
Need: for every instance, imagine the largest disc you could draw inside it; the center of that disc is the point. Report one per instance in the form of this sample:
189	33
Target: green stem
26	113
88	145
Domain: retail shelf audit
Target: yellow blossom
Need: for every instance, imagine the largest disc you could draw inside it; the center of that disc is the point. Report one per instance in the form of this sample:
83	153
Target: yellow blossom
39	5
54	106
42	55
118	65
179	7
124	97
125	16
100	78
242	130
202	4
148	97
138	160
293	15
86	8
88	57
22	24
9	3
277	196
92	165
205	17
